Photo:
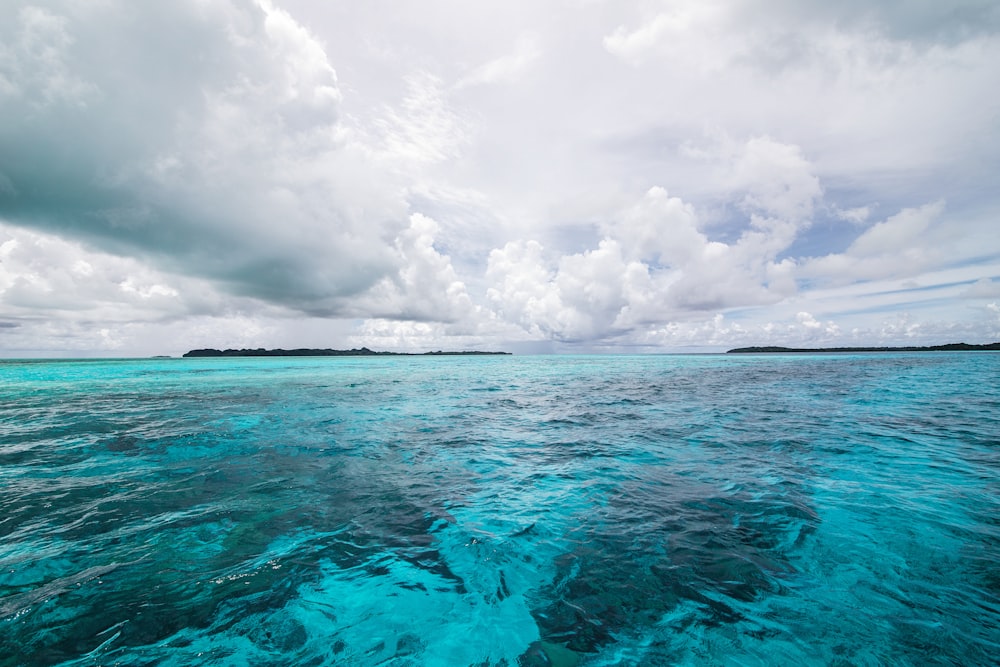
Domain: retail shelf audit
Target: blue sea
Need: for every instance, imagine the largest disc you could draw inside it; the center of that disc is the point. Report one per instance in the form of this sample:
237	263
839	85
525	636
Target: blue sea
530	511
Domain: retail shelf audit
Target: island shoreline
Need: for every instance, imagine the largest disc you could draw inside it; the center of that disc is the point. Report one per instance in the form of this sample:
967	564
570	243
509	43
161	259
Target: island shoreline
950	347
312	352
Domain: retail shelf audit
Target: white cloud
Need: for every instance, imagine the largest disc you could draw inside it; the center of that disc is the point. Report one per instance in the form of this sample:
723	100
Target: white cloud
44	274
594	174
686	34
522	288
424	129
777	179
662	228
654	264
570	298
896	247
426	286
896	233
856	216
57	294
984	288
505	68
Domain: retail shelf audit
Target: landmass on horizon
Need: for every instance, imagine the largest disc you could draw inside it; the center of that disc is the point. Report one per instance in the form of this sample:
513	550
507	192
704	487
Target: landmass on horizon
950	347
308	352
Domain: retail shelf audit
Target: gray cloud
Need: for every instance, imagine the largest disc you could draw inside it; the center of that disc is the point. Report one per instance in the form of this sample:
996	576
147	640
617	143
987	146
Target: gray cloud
923	21
201	136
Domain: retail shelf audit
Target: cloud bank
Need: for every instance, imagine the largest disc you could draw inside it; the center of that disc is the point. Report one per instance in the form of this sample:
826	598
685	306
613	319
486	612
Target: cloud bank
596	176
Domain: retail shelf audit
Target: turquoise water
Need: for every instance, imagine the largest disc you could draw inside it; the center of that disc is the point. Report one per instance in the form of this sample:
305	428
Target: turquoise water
640	510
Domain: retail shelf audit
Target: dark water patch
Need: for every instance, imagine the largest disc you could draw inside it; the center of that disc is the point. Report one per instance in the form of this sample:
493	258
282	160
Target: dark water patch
664	541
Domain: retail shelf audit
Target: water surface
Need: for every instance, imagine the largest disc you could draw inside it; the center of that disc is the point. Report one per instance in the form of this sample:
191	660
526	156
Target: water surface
642	510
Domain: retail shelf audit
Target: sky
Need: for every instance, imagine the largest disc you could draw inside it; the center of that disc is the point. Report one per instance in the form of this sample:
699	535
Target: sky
562	176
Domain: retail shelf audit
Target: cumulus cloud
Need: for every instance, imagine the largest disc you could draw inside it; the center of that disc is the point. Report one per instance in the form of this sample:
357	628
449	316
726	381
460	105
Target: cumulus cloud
44	274
426	286
597	175
575	297
656	263
205	137
56	294
777	179
661	228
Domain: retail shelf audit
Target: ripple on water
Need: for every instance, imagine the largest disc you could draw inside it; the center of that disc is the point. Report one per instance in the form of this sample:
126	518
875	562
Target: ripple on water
501	511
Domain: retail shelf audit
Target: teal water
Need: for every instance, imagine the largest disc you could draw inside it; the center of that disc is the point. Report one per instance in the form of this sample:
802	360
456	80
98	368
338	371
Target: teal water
641	510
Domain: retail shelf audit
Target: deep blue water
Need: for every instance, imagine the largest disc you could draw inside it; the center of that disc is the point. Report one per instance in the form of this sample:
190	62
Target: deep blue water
639	510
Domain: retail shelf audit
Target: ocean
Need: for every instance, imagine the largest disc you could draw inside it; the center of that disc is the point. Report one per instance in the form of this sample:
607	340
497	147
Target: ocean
810	509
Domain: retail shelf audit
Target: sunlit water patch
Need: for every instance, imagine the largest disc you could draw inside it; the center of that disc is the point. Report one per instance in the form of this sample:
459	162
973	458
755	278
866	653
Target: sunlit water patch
690	510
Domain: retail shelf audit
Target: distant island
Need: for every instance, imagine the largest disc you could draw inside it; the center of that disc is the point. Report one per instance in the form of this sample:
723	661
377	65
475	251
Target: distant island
308	352
951	347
